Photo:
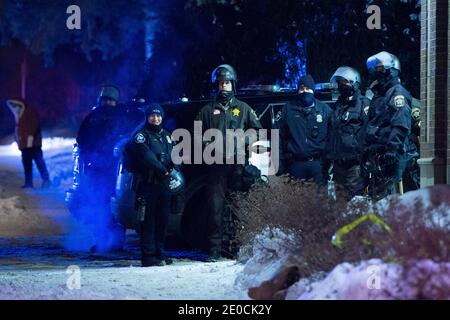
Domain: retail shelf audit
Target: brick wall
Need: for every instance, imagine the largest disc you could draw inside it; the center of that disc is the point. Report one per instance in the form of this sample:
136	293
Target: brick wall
434	59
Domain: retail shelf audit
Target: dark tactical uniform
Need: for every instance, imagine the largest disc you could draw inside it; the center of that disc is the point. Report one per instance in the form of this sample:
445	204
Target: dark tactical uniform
149	155
303	135
411	176
99	132
347	123
388	128
233	115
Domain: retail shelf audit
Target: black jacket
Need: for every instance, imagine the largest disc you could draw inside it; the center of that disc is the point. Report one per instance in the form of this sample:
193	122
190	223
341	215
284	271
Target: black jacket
389	123
303	131
148	152
103	128
347	124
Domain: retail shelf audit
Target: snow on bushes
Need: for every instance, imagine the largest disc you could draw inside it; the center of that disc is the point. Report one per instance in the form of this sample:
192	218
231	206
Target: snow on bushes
419	232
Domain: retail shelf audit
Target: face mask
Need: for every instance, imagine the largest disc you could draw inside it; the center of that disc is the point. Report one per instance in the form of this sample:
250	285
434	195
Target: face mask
381	78
345	90
154	127
225	96
306	99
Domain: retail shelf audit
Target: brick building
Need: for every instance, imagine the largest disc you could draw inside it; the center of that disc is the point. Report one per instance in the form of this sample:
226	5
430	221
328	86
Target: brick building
435	93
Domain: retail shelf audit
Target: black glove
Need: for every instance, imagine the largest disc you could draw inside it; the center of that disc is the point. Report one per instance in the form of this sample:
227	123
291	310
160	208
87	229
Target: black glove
390	158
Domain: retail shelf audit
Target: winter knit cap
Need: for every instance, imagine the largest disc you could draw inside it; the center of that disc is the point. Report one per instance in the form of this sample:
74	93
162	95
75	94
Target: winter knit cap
154	108
307	81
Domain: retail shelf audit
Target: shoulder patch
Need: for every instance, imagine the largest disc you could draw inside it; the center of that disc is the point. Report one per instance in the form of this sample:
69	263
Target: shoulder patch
139	138
399	101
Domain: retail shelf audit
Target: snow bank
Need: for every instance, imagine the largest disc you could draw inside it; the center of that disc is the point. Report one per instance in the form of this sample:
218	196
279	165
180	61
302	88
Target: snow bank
371	279
58	157
16	218
435	199
270	251
48	144
375	280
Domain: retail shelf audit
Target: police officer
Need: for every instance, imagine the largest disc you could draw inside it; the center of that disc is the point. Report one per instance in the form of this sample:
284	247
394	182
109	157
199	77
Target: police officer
389	125
346	130
99	132
303	134
149	153
225	112
411	175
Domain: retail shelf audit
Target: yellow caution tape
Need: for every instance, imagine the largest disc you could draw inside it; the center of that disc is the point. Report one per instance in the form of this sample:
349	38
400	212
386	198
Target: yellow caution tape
337	237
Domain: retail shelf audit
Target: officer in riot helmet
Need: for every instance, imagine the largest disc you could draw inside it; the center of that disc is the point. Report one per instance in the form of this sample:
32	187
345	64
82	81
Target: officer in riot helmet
347	123
148	154
386	142
225	112
99	133
101	126
303	134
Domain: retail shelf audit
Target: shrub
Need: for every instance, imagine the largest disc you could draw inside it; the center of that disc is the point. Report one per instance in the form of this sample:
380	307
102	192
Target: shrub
419	231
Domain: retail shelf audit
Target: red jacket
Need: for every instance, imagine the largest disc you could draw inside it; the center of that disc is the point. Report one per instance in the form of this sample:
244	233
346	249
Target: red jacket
28	128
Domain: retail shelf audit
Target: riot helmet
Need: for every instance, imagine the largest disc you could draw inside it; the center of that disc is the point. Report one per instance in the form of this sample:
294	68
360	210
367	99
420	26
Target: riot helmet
389	62
347	73
347	80
224	72
110	92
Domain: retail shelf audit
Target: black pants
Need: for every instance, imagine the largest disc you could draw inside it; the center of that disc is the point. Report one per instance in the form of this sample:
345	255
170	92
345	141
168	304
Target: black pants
348	175
380	187
306	170
154	226
221	178
28	155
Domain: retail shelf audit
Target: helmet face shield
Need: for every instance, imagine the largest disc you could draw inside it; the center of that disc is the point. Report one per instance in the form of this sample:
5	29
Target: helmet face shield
382	59
224	72
347	74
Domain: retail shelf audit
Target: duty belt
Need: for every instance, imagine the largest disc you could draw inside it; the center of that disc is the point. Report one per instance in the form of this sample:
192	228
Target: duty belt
312	158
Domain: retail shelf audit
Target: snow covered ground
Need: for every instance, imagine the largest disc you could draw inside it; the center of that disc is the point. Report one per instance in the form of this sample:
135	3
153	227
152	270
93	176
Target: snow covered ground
181	281
34	263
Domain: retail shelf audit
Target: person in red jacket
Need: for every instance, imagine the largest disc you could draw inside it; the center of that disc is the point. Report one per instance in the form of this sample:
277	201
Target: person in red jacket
29	140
